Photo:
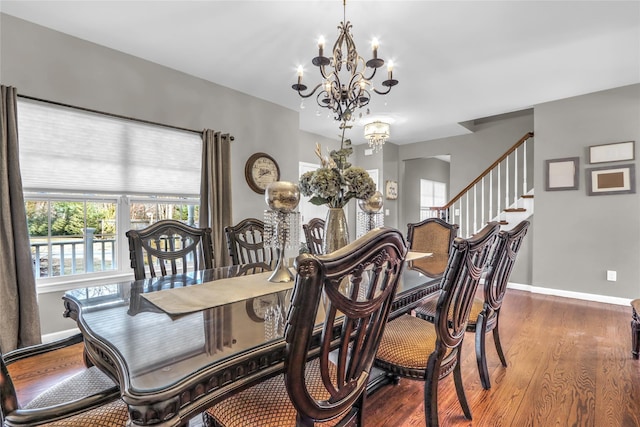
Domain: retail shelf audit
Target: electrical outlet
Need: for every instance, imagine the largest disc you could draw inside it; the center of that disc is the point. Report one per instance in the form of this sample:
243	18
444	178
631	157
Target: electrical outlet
612	275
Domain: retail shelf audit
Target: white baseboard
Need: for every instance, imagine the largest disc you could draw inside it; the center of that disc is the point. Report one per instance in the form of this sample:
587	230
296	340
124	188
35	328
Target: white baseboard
569	294
54	336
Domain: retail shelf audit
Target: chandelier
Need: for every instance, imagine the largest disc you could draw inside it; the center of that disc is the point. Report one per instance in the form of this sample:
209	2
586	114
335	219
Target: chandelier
344	86
376	133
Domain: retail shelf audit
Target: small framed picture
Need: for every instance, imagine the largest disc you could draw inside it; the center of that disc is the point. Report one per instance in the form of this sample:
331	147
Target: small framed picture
615	152
611	180
561	174
391	190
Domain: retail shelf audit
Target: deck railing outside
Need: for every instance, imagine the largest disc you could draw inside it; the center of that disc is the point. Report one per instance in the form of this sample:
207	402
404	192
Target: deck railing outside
69	254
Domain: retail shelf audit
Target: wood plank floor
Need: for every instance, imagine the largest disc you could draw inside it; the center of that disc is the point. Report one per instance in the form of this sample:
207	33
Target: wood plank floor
569	365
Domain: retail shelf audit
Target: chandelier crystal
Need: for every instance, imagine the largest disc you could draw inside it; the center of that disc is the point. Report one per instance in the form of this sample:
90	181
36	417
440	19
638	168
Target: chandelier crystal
376	133
344	86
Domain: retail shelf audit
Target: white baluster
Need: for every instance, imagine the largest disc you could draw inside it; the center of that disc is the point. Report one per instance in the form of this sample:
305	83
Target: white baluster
466	211
499	194
483	212
525	189
506	182
515	176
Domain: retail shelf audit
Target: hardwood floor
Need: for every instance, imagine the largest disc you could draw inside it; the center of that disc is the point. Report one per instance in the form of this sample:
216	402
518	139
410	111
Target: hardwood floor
569	365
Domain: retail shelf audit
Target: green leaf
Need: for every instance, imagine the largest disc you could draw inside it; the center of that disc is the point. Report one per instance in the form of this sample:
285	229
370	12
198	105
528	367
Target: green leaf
318	201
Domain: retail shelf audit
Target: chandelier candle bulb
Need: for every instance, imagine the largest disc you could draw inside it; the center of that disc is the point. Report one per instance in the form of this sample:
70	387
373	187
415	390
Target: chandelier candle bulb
374	44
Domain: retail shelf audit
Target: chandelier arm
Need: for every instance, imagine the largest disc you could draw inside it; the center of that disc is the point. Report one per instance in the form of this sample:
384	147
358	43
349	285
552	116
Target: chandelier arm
310	93
373	73
324	74
336	107
382	93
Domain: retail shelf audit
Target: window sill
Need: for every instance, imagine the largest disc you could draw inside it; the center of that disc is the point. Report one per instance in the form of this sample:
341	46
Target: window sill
67	283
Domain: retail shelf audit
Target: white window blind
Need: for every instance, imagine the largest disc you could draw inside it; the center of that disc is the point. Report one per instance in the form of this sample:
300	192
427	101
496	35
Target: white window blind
71	150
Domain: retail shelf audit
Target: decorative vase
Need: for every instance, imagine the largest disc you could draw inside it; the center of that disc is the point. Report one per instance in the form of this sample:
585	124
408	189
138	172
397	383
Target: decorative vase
336	233
282	197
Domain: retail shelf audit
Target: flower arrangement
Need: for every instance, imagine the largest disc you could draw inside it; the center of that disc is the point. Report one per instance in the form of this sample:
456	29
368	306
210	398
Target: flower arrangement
336	181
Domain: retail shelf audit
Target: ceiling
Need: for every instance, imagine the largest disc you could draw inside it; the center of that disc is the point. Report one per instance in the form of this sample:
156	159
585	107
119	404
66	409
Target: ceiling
456	61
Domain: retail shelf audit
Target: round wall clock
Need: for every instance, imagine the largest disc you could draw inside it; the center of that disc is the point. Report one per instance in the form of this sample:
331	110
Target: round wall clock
260	171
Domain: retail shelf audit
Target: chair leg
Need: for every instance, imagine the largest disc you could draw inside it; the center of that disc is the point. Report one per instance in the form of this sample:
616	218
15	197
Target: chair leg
635	336
496	339
481	357
431	391
457	379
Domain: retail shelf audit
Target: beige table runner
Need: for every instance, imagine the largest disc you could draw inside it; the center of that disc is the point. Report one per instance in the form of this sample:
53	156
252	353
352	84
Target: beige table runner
212	294
224	291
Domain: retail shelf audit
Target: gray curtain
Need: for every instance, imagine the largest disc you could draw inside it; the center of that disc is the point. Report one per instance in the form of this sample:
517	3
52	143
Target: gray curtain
215	191
19	316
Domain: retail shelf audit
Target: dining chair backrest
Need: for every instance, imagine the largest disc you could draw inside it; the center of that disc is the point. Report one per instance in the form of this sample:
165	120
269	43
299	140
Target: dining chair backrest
431	235
435	236
314	235
501	265
246	244
460	281
357	284
169	247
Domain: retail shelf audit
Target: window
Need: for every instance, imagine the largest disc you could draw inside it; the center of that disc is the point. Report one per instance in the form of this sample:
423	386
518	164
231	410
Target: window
90	177
66	232
432	194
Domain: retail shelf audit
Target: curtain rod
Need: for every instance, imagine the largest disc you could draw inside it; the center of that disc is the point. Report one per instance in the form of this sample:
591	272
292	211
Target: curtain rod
149	122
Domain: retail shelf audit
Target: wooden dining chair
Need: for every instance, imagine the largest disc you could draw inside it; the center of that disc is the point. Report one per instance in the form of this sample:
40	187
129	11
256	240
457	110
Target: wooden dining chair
246	244
635	328
88	398
169	247
435	236
314	235
485	312
355	286
416	349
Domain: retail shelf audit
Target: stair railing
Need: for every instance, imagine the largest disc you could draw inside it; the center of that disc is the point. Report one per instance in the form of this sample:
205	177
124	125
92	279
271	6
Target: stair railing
498	188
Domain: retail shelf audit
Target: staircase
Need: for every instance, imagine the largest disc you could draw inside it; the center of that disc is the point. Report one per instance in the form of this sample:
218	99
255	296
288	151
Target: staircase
503	192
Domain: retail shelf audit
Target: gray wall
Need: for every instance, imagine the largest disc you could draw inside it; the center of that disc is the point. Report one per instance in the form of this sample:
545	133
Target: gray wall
578	237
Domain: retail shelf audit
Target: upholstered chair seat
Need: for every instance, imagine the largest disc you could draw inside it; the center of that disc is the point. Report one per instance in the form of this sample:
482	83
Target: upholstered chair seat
267	404
88	398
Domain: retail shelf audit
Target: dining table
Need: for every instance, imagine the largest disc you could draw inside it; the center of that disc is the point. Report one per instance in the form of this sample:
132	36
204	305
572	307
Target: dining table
178	344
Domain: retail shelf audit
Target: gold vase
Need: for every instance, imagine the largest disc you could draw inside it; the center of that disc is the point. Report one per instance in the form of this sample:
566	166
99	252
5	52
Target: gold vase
336	233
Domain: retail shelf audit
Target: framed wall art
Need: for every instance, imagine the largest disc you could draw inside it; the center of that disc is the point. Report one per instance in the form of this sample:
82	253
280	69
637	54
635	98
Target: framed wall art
615	152
561	174
609	180
391	190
